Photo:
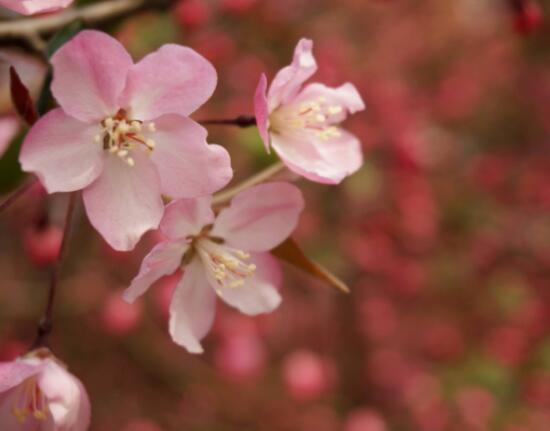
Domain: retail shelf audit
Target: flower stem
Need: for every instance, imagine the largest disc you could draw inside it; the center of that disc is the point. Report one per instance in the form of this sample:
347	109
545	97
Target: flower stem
240	121
17	194
45	326
260	177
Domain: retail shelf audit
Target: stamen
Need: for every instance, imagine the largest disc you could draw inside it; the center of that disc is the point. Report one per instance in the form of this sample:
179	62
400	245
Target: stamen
121	136
228	266
30	401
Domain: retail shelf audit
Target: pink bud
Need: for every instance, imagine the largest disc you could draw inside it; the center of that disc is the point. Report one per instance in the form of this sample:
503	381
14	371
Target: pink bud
192	13
118	316
43	244
528	17
364	420
240	357
306	375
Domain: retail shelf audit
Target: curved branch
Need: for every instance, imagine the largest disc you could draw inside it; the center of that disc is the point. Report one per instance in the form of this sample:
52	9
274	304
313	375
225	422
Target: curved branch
30	28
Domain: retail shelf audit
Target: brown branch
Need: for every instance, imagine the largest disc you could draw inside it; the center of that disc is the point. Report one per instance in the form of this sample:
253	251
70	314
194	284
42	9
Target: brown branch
29	29
240	121
46	323
17	194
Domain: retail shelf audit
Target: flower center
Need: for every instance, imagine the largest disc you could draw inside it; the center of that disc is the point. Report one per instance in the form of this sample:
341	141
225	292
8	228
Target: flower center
315	115
30	401
229	267
121	135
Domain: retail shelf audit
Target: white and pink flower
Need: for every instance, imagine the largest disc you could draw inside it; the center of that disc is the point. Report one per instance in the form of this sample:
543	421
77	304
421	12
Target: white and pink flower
31	7
227	255
122	134
37	393
302	123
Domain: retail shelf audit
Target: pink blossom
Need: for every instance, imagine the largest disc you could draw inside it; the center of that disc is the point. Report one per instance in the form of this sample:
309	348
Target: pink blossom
302	123
37	393
30	7
122	134
225	255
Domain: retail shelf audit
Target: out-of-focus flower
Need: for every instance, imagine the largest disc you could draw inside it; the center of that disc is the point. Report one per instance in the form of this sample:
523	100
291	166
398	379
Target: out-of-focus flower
43	244
119	317
224	255
306	375
301	124
364	420
37	393
123	136
31	7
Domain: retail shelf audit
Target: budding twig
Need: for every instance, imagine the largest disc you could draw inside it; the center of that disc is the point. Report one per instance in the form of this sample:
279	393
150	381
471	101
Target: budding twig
46	323
240	121
260	177
17	194
30	29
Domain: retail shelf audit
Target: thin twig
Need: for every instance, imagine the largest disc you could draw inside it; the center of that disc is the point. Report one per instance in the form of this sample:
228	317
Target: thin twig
260	177
46	323
30	28
240	121
17	194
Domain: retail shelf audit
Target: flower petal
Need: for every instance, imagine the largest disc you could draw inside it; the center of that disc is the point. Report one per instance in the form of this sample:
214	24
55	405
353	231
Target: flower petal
187	165
186	217
30	7
323	161
163	259
346	97
260	292
9	125
89	75
288	81
261	111
15	372
67	399
192	308
261	217
62	152
125	202
173	80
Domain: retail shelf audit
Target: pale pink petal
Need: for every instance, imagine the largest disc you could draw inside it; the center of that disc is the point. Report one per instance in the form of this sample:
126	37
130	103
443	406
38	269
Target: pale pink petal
15	372
30	7
288	81
261	217
192	308
186	217
187	165
62	152
89	75
260	292
9	125
173	80
125	201
326	161
261	111
345	97
163	259
67	399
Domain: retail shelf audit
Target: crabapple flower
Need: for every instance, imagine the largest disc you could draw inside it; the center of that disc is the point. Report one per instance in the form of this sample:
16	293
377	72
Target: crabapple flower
225	255
301	123
37	393
30	7
123	136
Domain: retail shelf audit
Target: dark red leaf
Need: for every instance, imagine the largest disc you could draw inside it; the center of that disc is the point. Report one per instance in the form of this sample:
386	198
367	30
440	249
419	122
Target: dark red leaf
21	98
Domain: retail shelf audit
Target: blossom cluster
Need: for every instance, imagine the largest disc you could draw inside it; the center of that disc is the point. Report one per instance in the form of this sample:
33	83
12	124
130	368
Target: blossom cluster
122	134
